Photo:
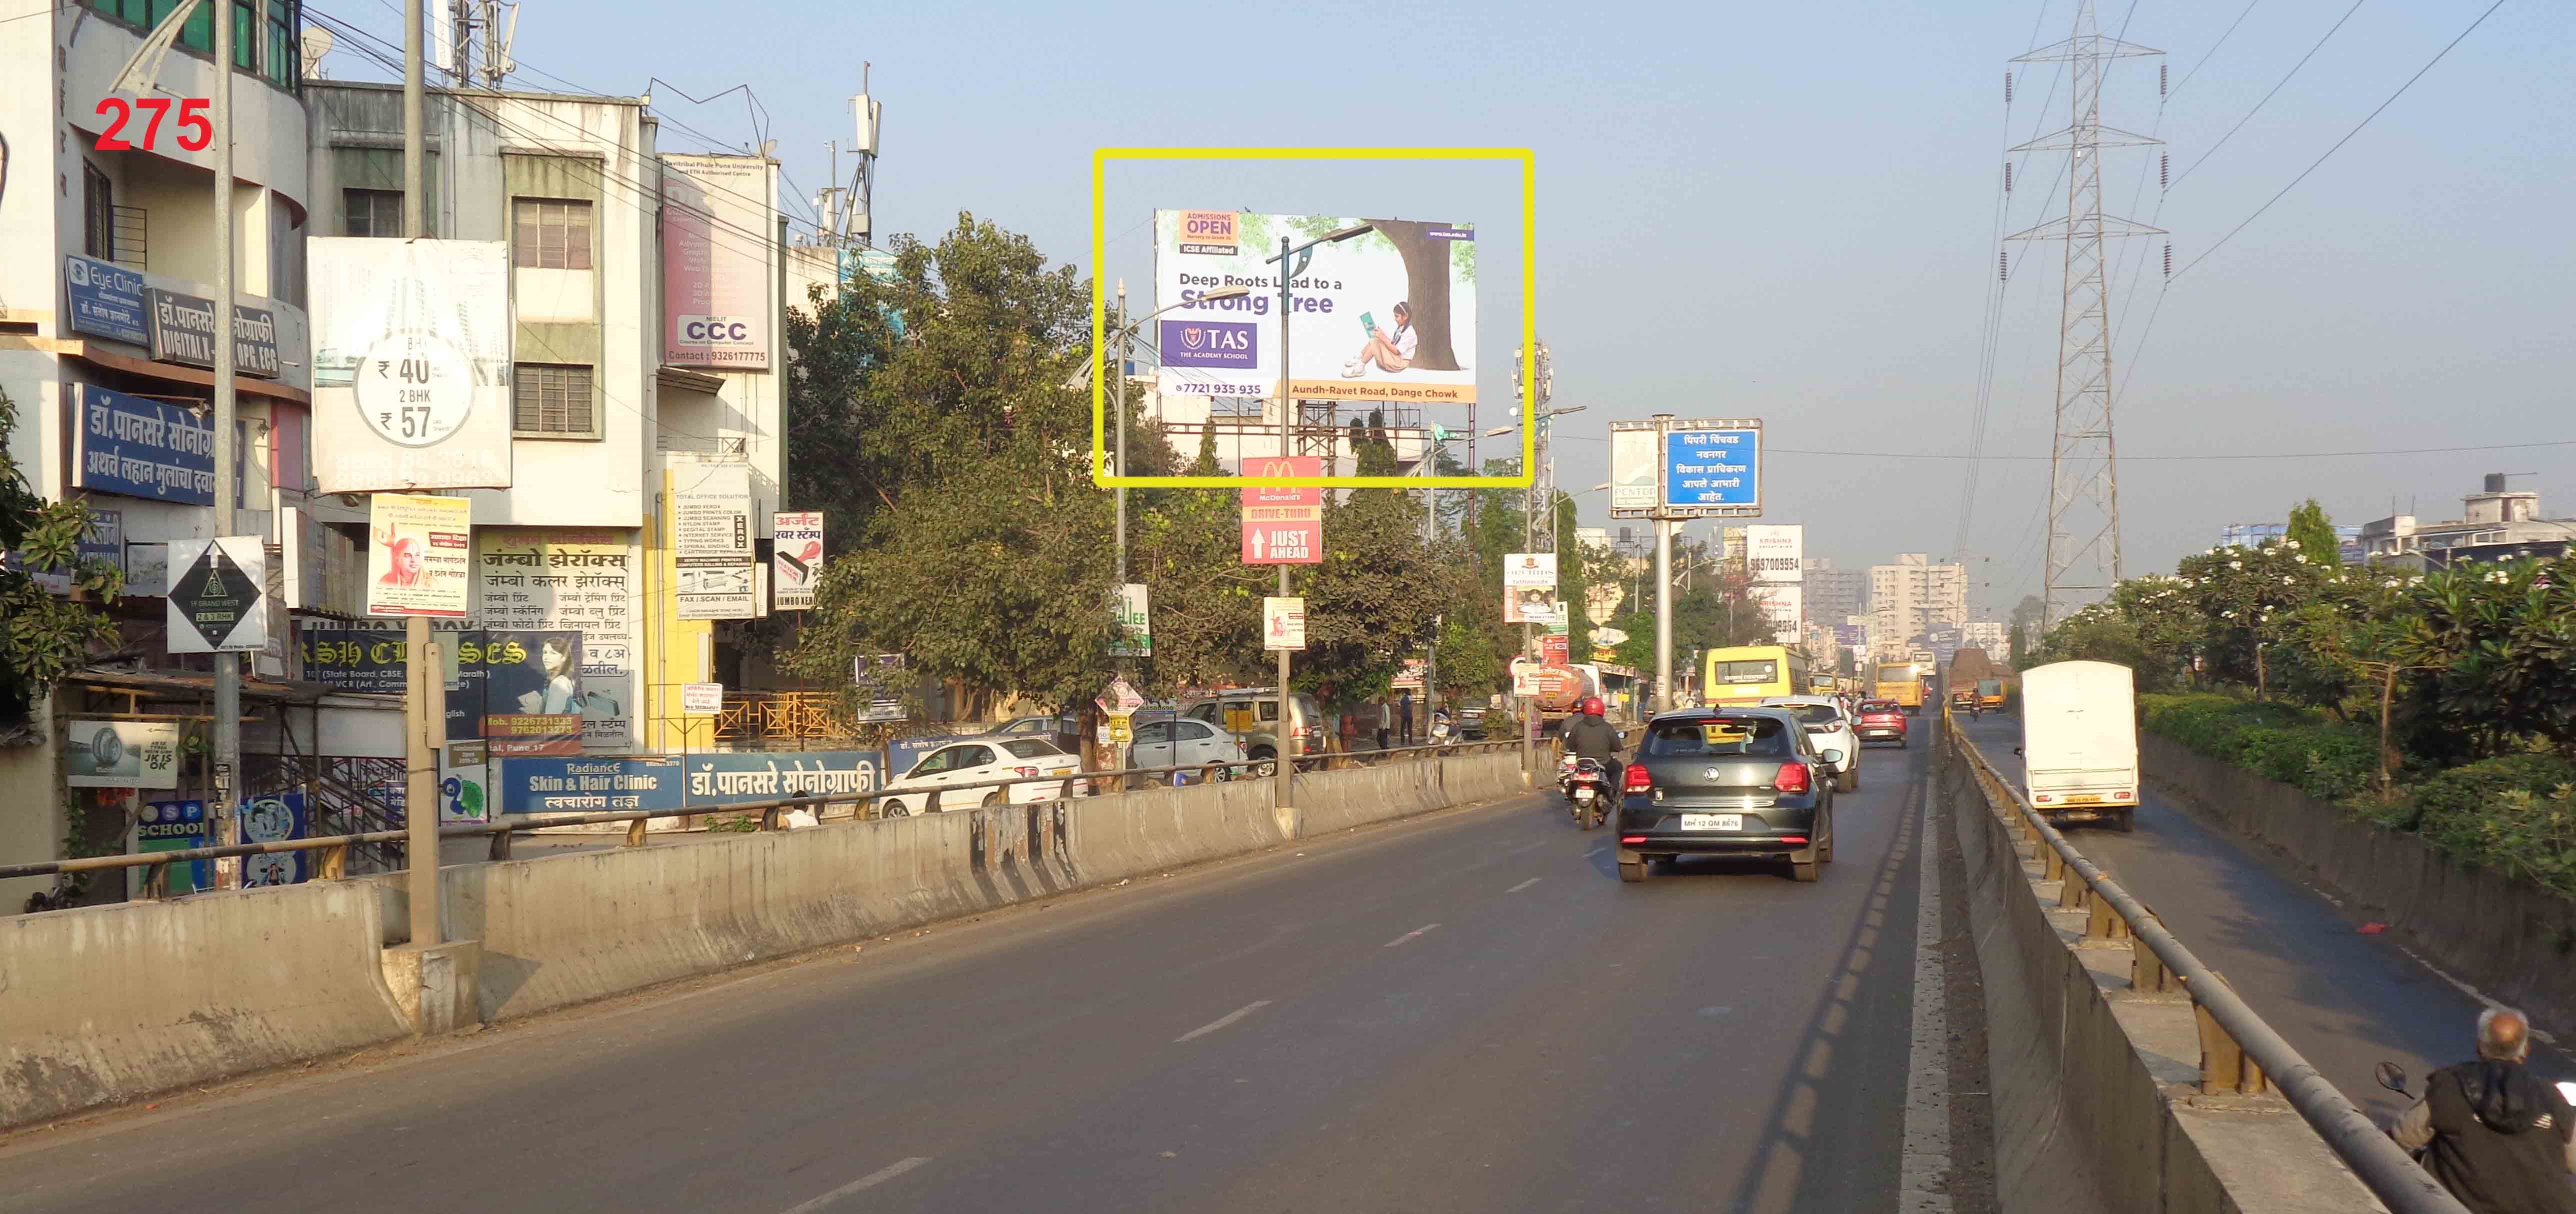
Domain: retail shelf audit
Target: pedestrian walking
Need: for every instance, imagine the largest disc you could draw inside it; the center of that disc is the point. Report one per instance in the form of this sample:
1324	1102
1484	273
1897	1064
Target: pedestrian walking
1383	717
1404	716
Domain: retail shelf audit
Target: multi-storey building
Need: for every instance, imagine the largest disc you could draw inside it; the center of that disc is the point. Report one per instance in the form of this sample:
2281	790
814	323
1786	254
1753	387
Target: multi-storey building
1915	597
646	299
107	265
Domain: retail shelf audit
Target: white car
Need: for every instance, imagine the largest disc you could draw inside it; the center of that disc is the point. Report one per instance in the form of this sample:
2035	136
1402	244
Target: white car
973	761
1184	742
1829	729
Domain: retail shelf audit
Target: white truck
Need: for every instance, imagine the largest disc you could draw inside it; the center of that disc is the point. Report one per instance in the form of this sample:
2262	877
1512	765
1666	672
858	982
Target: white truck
2079	742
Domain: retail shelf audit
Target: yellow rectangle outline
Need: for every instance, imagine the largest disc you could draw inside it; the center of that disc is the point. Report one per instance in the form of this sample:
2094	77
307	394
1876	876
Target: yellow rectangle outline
1100	158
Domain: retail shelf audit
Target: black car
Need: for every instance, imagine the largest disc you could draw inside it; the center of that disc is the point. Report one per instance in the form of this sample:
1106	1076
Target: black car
1727	782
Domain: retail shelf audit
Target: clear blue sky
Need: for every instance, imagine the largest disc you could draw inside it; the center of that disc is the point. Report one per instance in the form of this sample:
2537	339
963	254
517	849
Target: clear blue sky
1787	211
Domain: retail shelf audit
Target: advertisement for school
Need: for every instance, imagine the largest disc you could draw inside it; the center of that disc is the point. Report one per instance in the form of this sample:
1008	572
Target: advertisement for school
1388	315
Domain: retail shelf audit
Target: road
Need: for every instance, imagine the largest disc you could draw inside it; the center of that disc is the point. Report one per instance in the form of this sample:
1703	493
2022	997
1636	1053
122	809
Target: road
1465	1013
2344	999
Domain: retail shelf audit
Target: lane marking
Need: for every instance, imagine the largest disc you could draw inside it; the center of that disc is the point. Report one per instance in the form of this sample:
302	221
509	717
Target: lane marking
1222	1021
869	1181
1409	935
1923	1178
1522	886
1596	849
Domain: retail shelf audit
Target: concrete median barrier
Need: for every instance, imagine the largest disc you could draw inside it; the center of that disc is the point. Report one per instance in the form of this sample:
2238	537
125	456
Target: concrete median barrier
102	1005
112	1003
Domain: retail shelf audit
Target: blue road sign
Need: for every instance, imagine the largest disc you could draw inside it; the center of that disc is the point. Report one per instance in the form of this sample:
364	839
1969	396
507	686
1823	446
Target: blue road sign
1712	471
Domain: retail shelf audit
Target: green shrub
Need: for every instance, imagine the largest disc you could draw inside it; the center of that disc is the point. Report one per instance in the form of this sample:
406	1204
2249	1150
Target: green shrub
2277	741
2515	814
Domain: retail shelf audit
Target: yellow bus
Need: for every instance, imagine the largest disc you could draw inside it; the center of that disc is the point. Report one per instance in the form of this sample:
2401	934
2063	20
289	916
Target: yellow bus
1901	682
1746	673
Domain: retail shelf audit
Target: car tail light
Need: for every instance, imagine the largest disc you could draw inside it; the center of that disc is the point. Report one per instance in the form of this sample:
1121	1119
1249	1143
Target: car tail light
1638	779
1632	838
2119	796
1025	772
2044	797
1797	839
1792	778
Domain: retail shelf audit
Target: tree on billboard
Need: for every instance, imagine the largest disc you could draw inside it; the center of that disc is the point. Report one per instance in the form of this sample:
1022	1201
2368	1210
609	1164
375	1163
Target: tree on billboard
1426	288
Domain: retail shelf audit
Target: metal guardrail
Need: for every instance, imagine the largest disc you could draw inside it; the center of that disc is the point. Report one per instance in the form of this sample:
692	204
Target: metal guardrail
333	864
2239	1052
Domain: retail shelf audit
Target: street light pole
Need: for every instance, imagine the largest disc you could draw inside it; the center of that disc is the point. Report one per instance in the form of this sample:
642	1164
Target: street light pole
1287	448
227	705
1288	734
1119	369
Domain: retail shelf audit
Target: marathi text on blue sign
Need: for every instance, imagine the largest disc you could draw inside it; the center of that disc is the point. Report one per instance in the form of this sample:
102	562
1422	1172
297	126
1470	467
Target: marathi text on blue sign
1706	468
134	447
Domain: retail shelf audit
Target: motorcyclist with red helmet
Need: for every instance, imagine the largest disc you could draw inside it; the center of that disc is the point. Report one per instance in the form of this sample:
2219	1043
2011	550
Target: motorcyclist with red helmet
1587	736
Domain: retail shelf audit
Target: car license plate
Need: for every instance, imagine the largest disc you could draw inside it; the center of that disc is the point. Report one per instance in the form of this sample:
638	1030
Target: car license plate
1712	821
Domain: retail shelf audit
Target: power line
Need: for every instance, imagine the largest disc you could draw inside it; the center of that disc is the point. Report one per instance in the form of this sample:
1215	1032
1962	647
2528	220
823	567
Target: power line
385	54
1768	449
2347	138
2276	90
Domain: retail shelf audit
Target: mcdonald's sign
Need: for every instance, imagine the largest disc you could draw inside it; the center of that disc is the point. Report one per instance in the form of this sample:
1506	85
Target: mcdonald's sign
1283	525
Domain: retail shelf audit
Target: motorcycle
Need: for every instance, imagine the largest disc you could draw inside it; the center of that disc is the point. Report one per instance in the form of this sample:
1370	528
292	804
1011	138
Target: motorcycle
1586	785
2393	1077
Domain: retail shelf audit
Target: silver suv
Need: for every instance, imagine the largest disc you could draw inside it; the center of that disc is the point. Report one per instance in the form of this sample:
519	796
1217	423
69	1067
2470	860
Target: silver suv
1251	714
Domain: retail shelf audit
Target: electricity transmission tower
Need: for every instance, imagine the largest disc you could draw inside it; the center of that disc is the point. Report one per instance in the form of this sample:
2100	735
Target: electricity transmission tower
2083	467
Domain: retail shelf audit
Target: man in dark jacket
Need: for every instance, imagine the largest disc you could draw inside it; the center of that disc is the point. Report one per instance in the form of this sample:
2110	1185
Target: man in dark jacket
2502	1140
1589	737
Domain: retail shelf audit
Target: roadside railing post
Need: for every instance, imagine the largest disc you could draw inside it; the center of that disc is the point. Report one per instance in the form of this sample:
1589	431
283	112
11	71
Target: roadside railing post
2101	922
501	844
335	862
2147	972
635	832
2224	1066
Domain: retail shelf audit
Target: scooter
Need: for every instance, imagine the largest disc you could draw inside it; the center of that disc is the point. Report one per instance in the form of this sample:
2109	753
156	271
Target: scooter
1586	785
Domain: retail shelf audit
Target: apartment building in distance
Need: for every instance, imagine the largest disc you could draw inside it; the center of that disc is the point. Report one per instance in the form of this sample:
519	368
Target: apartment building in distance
1914	597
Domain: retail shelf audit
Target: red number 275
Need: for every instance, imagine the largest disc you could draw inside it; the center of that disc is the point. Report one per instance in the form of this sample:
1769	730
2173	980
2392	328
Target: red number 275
120	112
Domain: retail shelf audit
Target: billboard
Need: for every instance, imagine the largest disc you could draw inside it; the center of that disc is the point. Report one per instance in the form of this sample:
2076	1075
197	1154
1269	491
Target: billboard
1632	469
716	273
1776	551
536	579
711	540
1386	316
1529	589
1784	608
411	364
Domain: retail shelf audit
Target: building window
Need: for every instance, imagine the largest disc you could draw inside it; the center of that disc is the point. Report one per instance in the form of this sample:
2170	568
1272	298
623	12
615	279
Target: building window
550	234
553	400
98	213
371	212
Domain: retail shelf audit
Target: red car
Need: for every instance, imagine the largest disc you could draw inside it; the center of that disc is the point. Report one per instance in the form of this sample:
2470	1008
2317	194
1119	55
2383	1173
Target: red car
1881	721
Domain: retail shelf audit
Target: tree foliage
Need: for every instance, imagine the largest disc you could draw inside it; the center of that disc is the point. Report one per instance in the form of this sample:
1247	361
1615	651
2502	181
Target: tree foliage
43	637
